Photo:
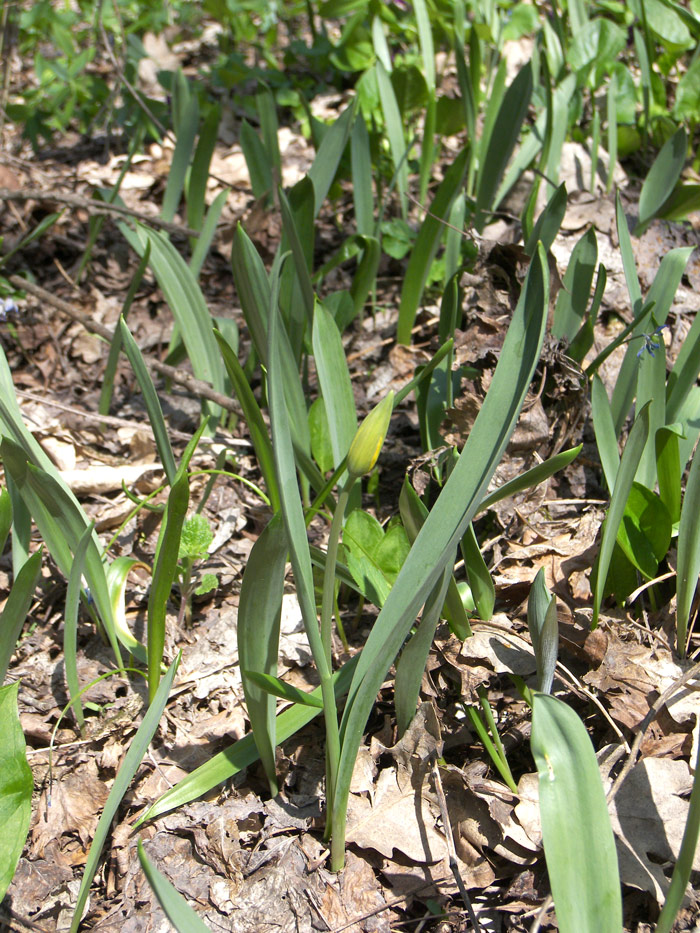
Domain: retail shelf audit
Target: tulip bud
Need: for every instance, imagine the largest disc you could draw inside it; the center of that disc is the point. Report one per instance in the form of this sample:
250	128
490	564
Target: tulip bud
369	439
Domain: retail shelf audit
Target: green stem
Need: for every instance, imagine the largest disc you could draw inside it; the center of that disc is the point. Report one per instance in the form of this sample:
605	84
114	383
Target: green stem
330	716
329	575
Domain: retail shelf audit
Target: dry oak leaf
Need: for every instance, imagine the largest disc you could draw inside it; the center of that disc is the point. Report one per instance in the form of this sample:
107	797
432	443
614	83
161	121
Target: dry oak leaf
76	804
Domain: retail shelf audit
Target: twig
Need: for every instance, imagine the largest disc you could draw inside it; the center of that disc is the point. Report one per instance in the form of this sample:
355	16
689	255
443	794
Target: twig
93	207
452	854
195	386
690	674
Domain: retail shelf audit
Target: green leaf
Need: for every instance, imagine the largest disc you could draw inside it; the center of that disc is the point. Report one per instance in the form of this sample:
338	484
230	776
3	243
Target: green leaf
604	428
437	540
196	190
127	770
623	483
15	611
321	436
16	786
155	412
427	242
373	556
278	688
499	143
544	630
225	765
258	629
645	531
548	223
578	840
480	581
688	564
334	379
186	135
572	299
394	131
5	520
661	178
668	464
253	416
196	537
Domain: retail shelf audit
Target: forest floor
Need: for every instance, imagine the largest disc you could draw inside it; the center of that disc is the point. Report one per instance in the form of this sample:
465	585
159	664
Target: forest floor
245	861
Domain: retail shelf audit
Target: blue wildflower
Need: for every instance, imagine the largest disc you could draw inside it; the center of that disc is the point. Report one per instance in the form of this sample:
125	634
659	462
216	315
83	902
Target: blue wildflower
649	343
7	306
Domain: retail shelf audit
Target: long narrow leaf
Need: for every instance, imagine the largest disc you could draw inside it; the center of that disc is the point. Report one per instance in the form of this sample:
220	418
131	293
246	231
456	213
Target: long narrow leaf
225	765
127	770
447	522
177	910
688	554
16	786
258	629
14	613
150	397
618	500
426	245
578	839
334	379
186	135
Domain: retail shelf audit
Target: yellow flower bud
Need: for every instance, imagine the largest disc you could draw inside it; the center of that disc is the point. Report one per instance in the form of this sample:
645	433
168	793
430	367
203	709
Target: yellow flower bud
370	437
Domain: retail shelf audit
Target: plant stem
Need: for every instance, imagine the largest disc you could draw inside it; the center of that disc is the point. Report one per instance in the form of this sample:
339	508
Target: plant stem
329	574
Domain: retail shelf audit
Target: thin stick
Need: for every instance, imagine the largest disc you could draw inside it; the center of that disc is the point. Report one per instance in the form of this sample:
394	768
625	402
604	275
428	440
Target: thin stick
92	206
454	865
195	386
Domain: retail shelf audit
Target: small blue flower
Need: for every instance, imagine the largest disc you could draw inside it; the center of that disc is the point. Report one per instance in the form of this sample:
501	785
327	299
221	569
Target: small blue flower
7	306
649	343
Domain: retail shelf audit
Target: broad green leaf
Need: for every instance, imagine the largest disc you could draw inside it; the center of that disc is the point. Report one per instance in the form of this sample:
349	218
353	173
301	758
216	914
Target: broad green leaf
501	142
374	557
668	465
14	613
186	135
437	540
572	299
334	379
177	910
578	839
150	397
127	770
258	629
605	435
688	562
16	786
426	245
623	483
196	185
661	178
645	531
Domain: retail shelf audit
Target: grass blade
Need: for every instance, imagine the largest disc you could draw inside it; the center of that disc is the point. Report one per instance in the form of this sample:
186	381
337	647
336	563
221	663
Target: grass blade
578	839
5	521
394	132
572	299
361	160
127	770
70	628
196	192
604	428
186	134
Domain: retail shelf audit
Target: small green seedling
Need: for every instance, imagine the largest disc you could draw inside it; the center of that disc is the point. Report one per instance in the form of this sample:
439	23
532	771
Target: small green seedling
196	539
